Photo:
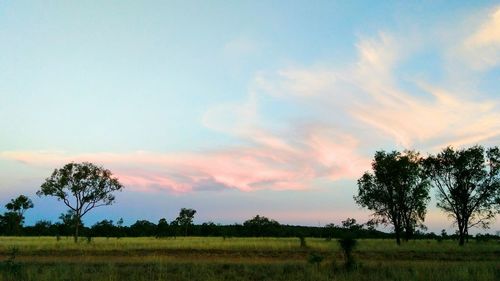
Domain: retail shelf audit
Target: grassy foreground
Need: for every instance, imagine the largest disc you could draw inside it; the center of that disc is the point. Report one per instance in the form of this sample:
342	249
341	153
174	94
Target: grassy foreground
215	258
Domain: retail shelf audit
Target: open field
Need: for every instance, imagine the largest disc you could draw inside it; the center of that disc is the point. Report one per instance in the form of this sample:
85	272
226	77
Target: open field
215	258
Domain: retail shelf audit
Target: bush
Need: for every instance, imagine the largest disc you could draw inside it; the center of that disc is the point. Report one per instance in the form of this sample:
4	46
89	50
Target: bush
347	245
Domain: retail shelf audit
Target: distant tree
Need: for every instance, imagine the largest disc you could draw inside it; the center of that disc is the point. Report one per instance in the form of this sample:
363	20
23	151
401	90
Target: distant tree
468	185
185	219
119	228
43	228
370	225
347	244
330	230
162	229
261	226
9	223
351	224
82	187
143	228
17	207
104	228
209	229
260	221
397	191
67	223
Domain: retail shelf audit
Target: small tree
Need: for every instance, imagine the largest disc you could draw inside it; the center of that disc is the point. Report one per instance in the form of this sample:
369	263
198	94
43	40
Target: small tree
347	244
82	187
185	219
18	206
351	224
397	191
468	185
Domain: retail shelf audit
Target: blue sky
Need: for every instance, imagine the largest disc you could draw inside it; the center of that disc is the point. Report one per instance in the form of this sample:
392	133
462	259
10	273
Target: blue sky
240	108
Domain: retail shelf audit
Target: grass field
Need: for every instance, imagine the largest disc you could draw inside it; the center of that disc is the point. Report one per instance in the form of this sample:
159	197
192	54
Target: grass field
215	258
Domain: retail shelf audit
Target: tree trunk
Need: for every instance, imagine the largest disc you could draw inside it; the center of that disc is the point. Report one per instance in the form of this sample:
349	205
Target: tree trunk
466	234
398	237
77	225
461	234
408	235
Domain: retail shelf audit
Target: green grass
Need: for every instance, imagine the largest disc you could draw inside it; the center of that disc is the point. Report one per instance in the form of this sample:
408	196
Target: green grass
215	258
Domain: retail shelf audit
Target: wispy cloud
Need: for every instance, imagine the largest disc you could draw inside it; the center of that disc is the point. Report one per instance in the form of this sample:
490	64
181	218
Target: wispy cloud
427	116
481	49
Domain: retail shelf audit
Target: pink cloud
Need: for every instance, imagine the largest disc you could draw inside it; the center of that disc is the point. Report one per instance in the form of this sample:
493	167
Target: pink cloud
270	163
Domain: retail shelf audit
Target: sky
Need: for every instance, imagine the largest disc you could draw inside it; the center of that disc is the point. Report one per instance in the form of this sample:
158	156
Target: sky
238	108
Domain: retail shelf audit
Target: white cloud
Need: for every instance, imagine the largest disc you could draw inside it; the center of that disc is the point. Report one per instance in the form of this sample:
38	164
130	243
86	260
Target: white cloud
481	49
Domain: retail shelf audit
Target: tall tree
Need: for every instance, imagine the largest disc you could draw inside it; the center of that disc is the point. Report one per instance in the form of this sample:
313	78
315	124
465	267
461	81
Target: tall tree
18	206
468	185
185	219
397	191
82	187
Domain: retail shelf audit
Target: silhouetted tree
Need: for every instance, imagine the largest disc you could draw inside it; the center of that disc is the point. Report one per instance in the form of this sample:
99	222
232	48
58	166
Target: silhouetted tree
82	187
9	223
17	207
397	191
119	228
185	219
162	229
68	222
261	226
347	244
209	229
43	228
104	228
351	224
468	185
142	228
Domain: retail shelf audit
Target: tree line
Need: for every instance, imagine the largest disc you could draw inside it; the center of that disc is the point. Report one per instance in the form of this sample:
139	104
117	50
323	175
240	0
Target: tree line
259	226
467	183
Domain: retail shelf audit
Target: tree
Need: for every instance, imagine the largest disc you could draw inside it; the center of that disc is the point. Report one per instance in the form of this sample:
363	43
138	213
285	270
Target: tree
9	223
397	191
68	222
351	224
262	226
104	228
162	229
43	228
142	228
82	187
468	185
18	206
185	219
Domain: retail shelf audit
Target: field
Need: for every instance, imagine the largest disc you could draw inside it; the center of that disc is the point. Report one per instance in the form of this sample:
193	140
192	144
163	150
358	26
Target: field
216	258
